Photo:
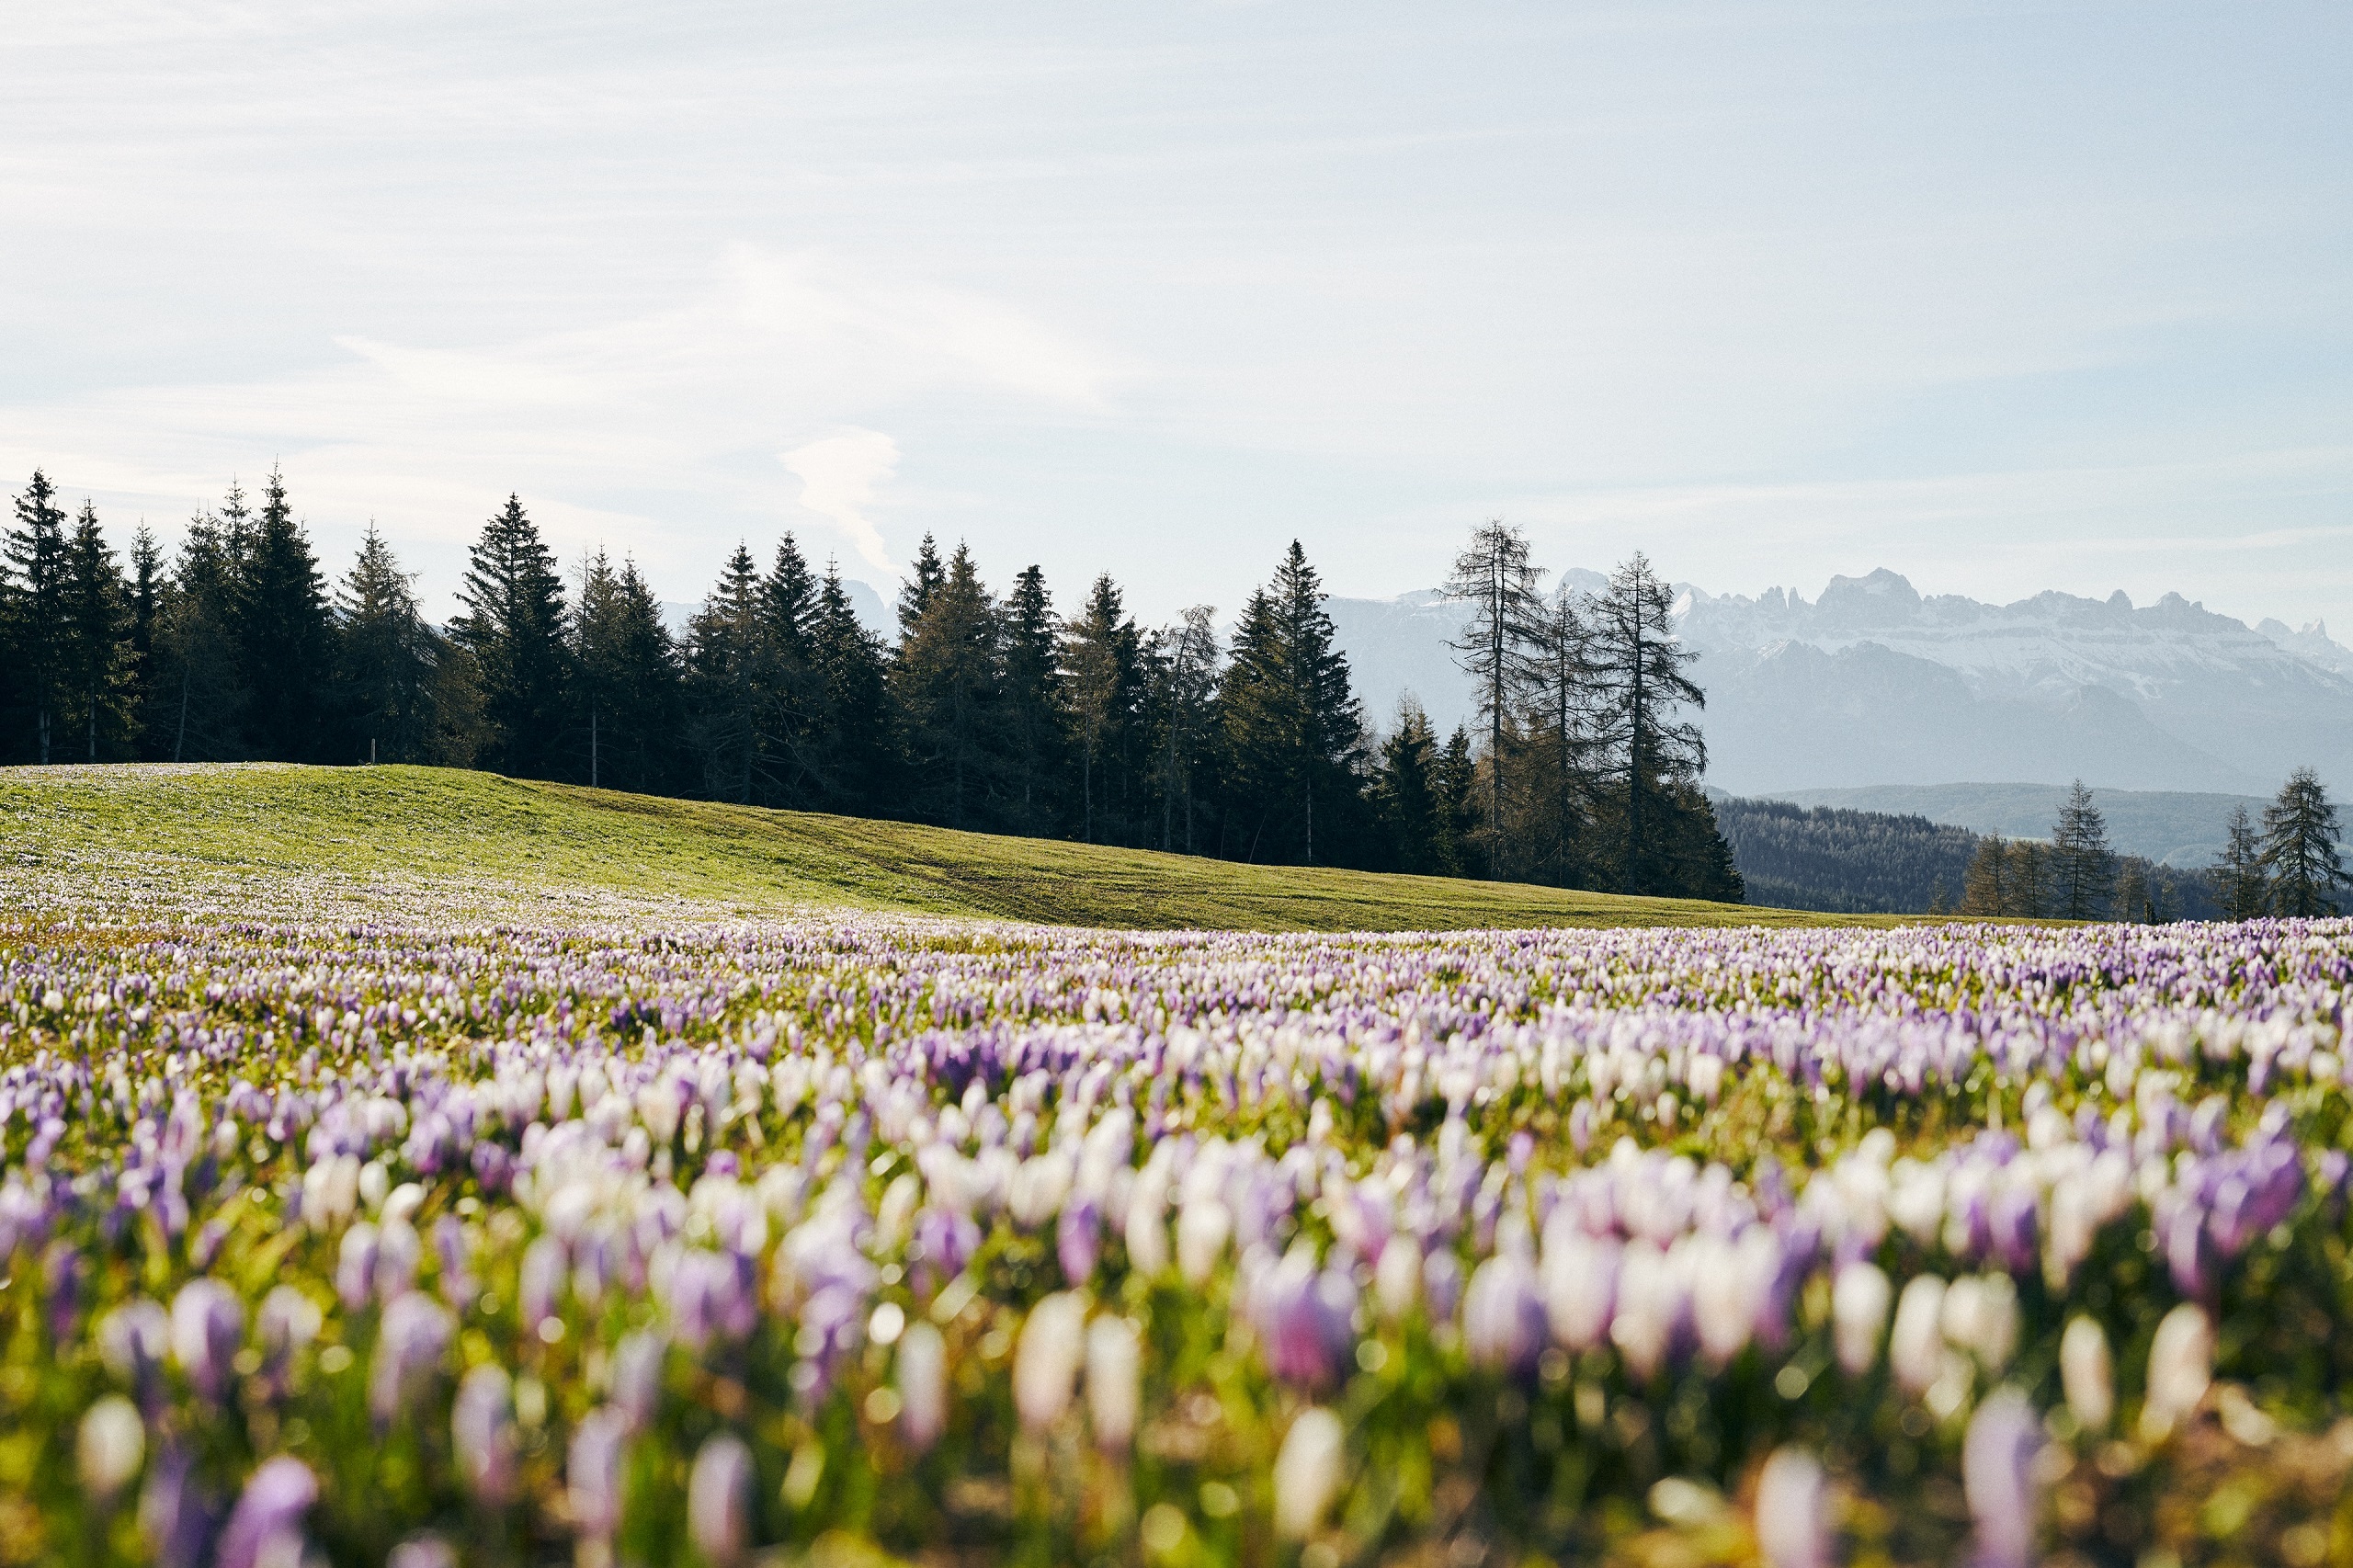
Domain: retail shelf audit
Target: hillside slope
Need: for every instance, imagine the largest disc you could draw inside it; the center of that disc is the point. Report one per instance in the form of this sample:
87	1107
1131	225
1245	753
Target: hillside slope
414	823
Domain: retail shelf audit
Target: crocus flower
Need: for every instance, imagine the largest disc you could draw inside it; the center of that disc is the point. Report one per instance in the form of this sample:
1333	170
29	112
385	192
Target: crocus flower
1580	1278
1046	1361
414	1337
1858	1301
1996	1473
208	1325
109	1447
719	1500
175	1517
1114	1381
1307	1471
637	1377
266	1527
355	1275
481	1433
2181	1365
1304	1320
592	1472
2087	1374
923	1385
1792	1505
1504	1326
1915	1345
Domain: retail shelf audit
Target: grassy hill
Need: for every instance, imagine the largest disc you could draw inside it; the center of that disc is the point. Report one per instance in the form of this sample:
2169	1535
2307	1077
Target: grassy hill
423	822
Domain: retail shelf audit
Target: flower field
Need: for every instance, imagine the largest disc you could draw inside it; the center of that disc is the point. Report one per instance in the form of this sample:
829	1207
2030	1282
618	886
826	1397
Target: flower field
423	1240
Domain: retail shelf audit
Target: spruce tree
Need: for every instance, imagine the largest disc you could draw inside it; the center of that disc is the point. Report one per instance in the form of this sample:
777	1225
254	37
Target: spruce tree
1036	744
1405	795
2242	886
1559	688
1638	682
924	579
2083	867
946	684
1987	888
149	585
854	747
2032	885
32	614
1103	681
1293	730
1498	647
197	703
513	627
1454	784
284	633
1186	707
629	685
95	674
2135	900
730	670
2299	849
386	659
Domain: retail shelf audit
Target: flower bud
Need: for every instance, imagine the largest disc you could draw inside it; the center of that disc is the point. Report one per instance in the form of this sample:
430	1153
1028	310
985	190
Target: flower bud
208	1325
266	1527
1504	1326
1114	1381
1202	1227
923	1385
2088	1374
2181	1363
719	1500
1858	1303
109	1447
414	1336
1307	1471
592	1472
1915	1345
1046	1361
1998	1477
482	1432
1793	1529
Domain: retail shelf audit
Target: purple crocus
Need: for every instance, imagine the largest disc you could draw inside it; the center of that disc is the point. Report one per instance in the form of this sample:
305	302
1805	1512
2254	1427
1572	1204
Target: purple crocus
208	1325
1306	1320
267	1524
1078	1238
481	1433
1504	1323
1998	1477
414	1336
592	1472
175	1516
719	1500
637	1377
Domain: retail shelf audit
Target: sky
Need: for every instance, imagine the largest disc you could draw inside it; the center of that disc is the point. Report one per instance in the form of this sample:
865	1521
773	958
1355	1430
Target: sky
2002	297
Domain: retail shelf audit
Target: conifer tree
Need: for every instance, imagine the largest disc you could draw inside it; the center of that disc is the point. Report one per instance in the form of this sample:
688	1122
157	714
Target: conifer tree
924	576
1497	647
386	659
1293	730
1035	742
147	588
730	670
629	678
94	672
2135	900
32	612
1560	687
283	634
196	704
1638	669
2083	868
513	628
946	684
854	745
1407	798
2242	885
1186	673
1453	783
1987	888
2299	849
2032	885
1102	658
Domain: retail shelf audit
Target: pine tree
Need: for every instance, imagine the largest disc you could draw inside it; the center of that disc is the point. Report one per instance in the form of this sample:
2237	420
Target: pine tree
2299	852
854	745
1638	680
2241	883
946	683
386	660
284	633
730	668
94	684
1498	645
2032	885
628	683
2135	902
1559	687
1988	888
1102	659
196	704
1453	782
2083	868
1293	730
32	577
1036	746
1185	704
148	587
513	630
924	579
1407	801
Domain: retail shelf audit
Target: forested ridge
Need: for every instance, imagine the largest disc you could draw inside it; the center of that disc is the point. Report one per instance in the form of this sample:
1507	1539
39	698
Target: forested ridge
997	714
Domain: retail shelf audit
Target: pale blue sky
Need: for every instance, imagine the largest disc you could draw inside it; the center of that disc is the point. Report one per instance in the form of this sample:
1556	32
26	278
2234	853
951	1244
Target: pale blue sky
2004	297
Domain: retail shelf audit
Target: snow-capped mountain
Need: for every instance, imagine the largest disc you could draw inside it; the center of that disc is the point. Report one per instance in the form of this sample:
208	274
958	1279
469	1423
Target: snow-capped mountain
1873	683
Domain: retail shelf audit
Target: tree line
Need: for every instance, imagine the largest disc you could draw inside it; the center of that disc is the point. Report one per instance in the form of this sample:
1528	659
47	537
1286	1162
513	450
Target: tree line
2290	865
1842	860
997	714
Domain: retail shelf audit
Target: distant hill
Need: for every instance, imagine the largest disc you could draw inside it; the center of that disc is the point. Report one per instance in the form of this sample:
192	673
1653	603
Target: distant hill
1852	861
372	831
2174	828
